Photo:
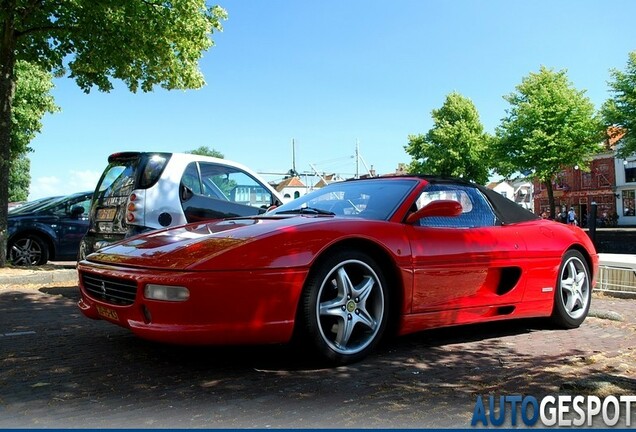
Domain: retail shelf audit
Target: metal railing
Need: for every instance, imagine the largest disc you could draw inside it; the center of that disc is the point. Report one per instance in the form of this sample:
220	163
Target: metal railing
616	280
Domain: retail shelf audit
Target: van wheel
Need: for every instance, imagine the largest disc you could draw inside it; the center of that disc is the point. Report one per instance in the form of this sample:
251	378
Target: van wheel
28	250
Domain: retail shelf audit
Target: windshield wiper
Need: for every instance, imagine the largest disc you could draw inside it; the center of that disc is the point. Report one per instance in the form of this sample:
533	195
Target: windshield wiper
307	210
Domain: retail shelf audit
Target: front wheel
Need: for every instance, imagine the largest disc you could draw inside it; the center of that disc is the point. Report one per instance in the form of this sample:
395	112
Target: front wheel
344	307
574	291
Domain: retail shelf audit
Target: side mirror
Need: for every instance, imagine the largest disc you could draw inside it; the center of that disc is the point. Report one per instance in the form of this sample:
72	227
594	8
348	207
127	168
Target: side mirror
444	208
77	211
185	193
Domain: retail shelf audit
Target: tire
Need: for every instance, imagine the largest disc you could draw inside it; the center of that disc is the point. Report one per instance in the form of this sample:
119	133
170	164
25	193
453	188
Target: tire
573	291
28	250
344	307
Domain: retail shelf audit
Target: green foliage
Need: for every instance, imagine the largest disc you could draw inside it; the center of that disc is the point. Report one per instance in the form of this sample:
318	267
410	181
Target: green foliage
549	125
620	109
206	151
455	146
31	102
144	43
19	179
141	42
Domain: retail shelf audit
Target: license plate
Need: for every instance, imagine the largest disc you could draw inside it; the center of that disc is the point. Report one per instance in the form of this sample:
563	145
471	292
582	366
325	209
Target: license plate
106	214
107	313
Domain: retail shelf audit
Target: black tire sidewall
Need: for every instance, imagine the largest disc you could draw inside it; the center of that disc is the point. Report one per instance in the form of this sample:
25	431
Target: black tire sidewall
44	255
559	314
309	319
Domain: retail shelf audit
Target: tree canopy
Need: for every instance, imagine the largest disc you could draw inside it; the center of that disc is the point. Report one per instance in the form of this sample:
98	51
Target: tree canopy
455	146
19	179
620	109
549	125
144	43
31	102
206	151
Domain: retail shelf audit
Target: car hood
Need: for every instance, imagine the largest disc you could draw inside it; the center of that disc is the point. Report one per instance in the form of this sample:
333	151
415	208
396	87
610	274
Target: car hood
195	246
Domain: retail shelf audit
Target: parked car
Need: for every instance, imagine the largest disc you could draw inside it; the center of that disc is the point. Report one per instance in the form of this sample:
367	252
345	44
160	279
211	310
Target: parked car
141	191
343	266
47	229
30	205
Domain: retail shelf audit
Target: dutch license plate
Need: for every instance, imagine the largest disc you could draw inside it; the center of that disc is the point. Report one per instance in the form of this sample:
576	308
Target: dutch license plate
106	214
107	313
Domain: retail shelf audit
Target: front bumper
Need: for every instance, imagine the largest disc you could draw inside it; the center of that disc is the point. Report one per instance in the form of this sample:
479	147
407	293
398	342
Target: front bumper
241	307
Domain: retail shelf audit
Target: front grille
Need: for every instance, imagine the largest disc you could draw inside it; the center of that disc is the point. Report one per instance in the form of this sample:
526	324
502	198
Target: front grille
111	290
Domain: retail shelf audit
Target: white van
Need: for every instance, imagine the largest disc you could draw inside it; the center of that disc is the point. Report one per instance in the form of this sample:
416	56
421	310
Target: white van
141	191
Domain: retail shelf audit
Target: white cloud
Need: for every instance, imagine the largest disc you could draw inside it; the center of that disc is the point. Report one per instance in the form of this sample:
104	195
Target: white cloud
75	181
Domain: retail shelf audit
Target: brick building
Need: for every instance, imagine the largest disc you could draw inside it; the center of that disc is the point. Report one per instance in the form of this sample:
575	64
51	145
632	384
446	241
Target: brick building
577	188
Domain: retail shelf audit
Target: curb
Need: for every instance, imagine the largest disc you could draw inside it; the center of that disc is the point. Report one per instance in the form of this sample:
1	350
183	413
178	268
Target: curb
40	277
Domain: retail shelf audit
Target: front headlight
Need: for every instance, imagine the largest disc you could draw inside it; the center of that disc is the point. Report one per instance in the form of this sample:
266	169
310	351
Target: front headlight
166	293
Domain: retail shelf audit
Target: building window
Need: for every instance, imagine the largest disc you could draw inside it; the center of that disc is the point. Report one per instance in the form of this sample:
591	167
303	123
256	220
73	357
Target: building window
586	180
630	172
603	175
628	202
504	194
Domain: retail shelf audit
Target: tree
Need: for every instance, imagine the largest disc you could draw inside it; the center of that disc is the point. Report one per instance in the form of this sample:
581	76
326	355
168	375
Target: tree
144	43
206	151
19	179
620	110
31	102
549	125
455	146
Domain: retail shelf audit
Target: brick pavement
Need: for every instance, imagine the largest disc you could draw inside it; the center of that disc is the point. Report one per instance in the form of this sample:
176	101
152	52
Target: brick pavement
59	369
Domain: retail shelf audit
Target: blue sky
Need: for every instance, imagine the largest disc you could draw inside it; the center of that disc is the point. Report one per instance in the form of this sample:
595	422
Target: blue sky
331	73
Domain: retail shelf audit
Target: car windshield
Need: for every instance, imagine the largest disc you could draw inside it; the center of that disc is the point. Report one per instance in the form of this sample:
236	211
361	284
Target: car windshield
32	206
62	206
368	199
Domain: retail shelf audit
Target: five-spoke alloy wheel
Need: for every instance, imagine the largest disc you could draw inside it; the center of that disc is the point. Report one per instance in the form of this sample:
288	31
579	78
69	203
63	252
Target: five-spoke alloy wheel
27	251
574	291
345	307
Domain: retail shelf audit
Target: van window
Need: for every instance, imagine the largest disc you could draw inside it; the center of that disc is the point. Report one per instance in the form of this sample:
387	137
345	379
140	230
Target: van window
231	184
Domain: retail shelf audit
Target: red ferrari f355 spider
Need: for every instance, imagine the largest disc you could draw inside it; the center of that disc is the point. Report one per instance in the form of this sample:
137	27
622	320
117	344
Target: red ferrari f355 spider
339	267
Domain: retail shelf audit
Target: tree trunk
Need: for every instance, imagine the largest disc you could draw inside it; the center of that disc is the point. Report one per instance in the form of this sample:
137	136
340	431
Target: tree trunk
7	91
548	187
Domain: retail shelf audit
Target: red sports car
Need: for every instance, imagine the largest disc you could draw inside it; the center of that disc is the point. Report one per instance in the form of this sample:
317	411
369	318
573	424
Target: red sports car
342	267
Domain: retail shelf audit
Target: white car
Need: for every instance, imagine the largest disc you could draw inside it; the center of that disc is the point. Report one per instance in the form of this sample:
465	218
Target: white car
141	191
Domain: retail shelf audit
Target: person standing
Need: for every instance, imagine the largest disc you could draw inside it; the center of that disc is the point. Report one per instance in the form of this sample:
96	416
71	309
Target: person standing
571	216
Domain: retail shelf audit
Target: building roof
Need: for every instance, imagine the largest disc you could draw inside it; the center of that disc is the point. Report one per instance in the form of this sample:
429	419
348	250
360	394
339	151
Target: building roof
293	182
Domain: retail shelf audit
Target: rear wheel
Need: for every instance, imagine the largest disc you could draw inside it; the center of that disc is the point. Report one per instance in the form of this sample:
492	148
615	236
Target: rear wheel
344	307
574	291
28	250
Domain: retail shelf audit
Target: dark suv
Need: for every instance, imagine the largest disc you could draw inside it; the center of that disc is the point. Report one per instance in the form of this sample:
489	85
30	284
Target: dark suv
49	229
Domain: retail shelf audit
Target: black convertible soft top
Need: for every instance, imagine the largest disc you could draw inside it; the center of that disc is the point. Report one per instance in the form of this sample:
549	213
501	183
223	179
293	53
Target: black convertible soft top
507	211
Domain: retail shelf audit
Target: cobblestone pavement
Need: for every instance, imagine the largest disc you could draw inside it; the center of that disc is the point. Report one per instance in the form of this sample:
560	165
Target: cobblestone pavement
59	369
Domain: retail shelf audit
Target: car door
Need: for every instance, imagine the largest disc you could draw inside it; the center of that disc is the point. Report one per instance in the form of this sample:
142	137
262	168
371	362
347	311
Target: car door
464	261
214	191
71	226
